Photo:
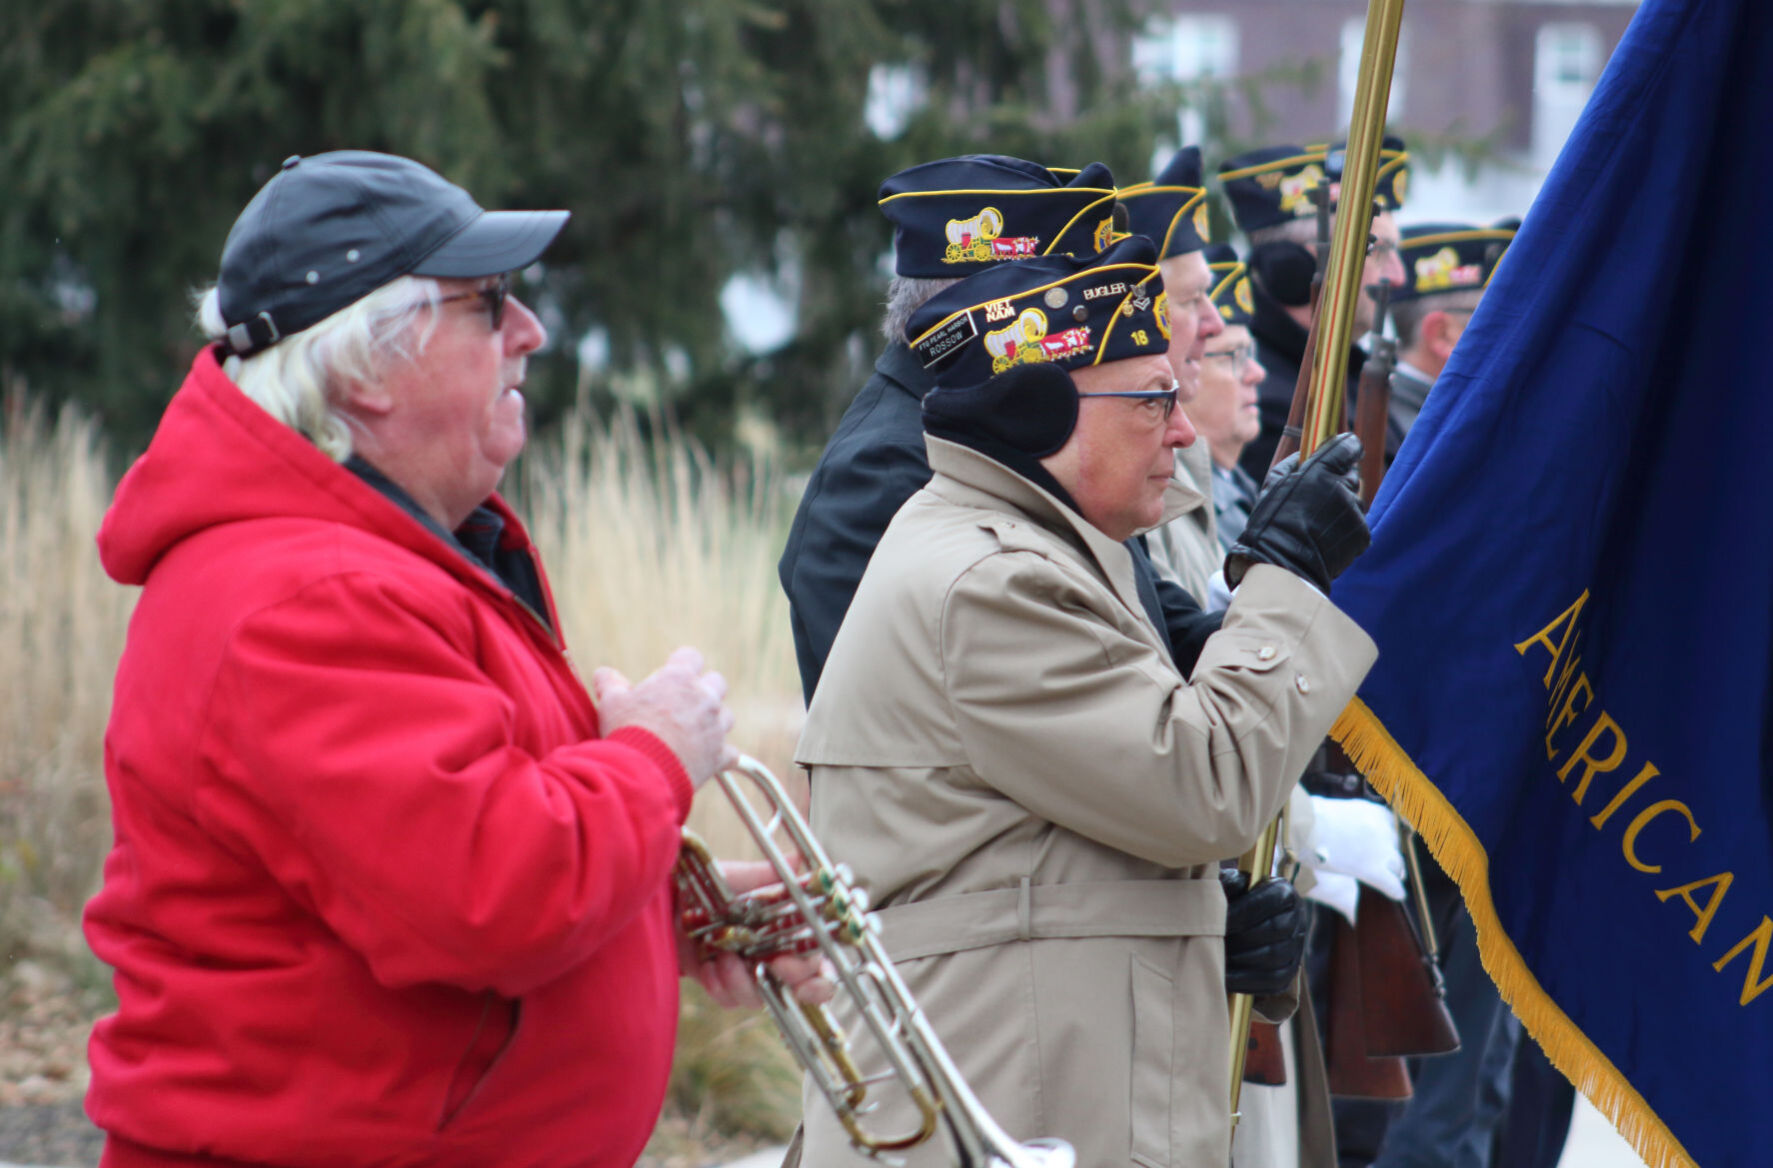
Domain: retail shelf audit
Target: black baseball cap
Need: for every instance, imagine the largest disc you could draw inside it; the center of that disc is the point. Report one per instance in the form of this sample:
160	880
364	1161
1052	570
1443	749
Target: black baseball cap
327	231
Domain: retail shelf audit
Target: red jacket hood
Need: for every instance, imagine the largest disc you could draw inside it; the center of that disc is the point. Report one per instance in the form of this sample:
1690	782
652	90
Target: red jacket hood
207	465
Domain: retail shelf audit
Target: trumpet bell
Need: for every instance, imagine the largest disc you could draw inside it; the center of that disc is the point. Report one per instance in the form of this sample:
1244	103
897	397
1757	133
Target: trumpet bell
815	907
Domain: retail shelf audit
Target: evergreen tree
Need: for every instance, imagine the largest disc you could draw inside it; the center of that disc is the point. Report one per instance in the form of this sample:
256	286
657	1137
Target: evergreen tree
692	140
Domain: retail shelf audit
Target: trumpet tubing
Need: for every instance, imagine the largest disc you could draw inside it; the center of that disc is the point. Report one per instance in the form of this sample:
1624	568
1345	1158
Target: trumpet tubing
820	910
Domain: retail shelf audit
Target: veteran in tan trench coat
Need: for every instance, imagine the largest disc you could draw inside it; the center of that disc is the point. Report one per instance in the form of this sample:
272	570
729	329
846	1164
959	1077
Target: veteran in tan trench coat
1002	750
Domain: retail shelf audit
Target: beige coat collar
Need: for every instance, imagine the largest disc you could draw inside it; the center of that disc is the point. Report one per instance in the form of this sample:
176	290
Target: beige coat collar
977	480
1183	496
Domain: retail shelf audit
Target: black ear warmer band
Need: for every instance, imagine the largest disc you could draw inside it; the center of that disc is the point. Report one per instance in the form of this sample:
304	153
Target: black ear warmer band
1284	269
1030	408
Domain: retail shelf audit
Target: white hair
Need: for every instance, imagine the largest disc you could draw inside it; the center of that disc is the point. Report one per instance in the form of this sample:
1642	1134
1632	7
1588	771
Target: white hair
905	295
299	379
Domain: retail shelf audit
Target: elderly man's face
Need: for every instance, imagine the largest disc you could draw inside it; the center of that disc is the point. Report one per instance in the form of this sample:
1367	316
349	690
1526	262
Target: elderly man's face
1193	319
458	404
1225	413
1383	263
1120	457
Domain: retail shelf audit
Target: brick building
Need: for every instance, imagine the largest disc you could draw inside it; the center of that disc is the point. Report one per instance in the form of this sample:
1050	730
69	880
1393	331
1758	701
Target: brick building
1513	72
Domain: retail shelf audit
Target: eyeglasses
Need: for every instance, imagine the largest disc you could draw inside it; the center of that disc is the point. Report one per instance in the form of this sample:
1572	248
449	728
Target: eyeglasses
494	297
1156	399
1239	357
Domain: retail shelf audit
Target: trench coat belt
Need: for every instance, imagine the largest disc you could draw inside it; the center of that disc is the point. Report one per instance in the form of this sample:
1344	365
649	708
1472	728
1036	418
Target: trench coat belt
1038	912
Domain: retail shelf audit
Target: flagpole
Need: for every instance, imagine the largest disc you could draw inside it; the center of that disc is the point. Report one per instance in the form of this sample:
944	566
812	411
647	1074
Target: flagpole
1324	404
1325	407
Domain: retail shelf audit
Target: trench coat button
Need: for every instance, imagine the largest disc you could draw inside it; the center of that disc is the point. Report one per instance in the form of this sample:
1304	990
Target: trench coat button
1303	682
1265	653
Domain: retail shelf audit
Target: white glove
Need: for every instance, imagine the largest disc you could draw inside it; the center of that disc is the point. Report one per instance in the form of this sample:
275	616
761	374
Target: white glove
1218	595
1342	893
1354	838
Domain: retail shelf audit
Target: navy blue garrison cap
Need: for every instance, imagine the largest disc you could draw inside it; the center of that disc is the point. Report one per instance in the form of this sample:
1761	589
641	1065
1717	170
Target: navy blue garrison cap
1391	182
1171	210
1450	257
327	231
1228	286
958	216
1272	185
1071	311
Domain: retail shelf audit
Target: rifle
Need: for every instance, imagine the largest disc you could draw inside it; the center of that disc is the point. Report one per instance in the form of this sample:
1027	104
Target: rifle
1290	437
1387	999
1372	400
1323	411
1263	1060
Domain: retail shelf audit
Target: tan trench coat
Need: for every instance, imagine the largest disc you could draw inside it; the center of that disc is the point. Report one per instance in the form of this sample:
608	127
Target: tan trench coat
1002	750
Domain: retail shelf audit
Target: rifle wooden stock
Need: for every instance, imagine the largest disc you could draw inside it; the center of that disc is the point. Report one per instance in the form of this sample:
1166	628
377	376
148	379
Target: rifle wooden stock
1352	1071
1385	1002
1401	990
1372	409
1264	1060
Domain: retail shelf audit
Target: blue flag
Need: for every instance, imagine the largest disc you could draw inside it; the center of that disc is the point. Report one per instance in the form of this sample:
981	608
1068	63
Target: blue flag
1571	585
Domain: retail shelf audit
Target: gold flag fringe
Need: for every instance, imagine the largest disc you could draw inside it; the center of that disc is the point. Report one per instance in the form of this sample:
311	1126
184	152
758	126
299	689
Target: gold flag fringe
1394	775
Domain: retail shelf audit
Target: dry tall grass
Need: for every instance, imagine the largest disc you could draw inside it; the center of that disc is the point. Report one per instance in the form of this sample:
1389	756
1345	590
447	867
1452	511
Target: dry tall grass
649	546
61	630
652	546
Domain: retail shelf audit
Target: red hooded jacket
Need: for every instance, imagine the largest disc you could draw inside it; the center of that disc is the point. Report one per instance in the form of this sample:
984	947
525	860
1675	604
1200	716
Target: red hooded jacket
379	894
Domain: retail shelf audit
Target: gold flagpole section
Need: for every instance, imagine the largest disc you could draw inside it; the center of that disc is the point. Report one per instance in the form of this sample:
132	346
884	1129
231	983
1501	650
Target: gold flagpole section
1354	220
1325	401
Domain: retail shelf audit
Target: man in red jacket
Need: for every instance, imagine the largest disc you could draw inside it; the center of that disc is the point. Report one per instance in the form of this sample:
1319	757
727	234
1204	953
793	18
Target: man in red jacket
389	887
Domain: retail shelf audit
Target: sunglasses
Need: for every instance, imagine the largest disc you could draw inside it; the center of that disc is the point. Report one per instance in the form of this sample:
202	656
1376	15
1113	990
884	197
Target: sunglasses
494	297
1165	398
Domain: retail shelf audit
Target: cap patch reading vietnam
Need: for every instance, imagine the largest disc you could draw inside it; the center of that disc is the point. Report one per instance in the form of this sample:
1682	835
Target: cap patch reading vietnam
1450	257
961	215
1171	210
1066	310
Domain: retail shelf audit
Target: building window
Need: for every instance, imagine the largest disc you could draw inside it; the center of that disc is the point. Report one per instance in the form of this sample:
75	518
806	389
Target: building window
1566	62
1566	57
1354	32
1187	48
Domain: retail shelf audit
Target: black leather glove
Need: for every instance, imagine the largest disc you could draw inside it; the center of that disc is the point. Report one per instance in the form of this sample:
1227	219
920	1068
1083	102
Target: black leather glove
1265	931
1308	518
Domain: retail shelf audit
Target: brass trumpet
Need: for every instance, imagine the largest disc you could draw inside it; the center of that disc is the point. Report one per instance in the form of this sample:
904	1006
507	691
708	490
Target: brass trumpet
821	911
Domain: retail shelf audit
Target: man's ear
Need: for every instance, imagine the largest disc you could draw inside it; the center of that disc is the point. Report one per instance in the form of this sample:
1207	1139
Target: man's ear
1437	328
365	399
